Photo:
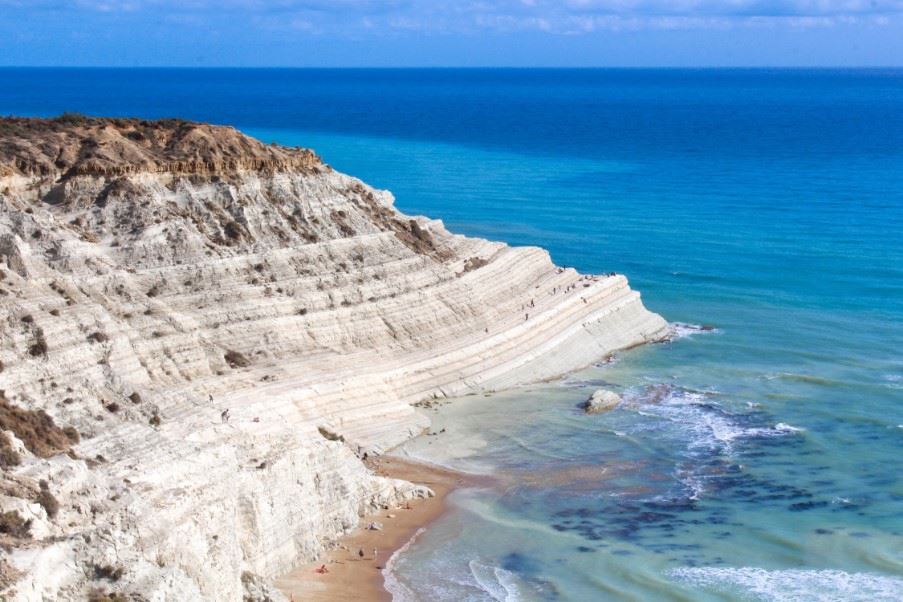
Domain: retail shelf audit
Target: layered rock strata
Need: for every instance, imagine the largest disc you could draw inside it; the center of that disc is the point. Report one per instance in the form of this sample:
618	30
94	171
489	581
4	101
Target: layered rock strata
154	275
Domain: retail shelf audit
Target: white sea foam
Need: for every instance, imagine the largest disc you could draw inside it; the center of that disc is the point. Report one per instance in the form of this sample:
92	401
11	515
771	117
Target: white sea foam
398	590
694	482
680	330
794	585
500	584
708	426
701	426
788	428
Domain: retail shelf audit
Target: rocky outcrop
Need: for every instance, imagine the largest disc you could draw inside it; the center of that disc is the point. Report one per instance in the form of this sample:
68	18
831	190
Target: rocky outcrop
601	401
155	274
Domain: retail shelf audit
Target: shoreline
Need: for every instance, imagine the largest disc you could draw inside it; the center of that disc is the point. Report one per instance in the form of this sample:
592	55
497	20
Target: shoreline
351	578
430	314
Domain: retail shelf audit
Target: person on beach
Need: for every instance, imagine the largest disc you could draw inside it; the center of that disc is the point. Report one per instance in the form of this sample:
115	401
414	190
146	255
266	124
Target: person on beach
225	416
375	554
360	552
321	569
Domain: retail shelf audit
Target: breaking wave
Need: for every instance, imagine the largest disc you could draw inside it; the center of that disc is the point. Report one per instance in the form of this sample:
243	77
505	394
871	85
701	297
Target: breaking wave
398	590
794	585
706	424
700	429
500	584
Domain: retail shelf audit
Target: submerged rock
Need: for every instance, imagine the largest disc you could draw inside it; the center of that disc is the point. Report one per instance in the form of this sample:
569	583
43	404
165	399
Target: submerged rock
600	401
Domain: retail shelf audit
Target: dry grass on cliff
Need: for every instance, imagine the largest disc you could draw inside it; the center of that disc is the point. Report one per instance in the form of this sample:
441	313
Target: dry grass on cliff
8	574
47	500
35	429
236	359
8	456
13	525
100	595
78	144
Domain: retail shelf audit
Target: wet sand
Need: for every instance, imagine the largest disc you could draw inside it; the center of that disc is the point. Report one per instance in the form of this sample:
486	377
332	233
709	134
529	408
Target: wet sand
351	578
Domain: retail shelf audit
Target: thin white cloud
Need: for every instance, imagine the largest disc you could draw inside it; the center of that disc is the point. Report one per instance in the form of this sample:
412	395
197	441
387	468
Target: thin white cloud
570	17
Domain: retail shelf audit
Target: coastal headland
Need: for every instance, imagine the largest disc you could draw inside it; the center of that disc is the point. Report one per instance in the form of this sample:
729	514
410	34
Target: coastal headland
205	338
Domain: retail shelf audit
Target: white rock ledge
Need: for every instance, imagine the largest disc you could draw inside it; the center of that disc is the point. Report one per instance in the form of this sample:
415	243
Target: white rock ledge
346	313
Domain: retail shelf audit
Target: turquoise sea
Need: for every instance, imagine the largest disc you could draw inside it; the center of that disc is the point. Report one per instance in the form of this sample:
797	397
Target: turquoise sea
758	461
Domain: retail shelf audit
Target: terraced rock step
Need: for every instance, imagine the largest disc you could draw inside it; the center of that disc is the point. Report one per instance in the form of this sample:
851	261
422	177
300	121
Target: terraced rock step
154	275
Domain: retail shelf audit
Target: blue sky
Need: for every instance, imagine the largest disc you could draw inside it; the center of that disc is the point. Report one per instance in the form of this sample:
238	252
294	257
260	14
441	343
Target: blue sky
330	33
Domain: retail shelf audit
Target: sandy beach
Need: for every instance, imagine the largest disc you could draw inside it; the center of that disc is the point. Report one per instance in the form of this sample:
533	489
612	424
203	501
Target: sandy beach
353	578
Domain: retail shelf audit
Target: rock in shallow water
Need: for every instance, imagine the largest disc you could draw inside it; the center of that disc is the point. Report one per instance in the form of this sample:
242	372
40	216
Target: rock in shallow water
601	401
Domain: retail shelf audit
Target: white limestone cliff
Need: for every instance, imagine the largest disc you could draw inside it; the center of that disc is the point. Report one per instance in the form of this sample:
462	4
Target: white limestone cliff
155	274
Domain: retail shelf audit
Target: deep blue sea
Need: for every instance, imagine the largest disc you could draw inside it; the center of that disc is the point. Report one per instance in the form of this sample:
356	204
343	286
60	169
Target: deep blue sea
761	461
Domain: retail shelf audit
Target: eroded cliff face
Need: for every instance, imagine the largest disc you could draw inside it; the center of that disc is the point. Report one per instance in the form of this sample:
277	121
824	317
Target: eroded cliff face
156	274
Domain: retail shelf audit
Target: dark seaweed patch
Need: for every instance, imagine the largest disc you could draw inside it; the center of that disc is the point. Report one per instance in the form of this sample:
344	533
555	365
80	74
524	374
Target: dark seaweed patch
803	506
519	563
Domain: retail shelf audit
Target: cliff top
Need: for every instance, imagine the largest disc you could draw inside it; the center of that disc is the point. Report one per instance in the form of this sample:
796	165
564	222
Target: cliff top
73	144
